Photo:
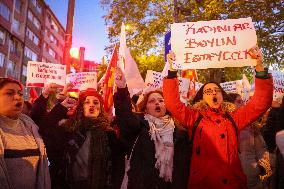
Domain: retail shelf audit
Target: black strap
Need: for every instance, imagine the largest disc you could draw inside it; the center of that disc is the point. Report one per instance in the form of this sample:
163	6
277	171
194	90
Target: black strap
195	127
198	121
10	153
234	124
227	116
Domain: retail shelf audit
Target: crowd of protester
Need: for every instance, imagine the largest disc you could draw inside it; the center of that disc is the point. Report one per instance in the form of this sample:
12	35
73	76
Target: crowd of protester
157	142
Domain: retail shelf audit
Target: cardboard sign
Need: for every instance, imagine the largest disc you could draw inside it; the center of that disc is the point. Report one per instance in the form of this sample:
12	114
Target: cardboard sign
213	44
82	80
154	80
232	86
278	84
41	73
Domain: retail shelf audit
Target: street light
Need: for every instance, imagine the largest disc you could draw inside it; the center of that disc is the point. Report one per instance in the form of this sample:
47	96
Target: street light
74	52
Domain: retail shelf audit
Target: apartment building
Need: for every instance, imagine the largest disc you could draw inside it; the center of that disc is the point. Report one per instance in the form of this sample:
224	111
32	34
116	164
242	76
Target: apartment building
29	30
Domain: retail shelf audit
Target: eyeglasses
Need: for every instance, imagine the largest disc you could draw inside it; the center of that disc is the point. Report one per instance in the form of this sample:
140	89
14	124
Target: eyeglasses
211	91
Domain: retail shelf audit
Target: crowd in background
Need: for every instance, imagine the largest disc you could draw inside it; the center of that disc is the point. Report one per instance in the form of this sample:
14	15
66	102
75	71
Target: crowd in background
218	141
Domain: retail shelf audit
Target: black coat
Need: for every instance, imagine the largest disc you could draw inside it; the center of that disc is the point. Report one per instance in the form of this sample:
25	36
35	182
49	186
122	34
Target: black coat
142	173
56	139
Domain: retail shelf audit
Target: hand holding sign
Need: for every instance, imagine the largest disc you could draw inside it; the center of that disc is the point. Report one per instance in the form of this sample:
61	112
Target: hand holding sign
119	78
50	88
69	102
255	53
67	87
171	57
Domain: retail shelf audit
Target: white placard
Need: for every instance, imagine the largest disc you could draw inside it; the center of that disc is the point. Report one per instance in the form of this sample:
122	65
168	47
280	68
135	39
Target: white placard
41	73
232	86
154	80
82	80
278	84
213	44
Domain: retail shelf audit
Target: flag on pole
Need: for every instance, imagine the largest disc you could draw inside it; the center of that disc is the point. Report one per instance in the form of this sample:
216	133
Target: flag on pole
109	81
192	76
134	80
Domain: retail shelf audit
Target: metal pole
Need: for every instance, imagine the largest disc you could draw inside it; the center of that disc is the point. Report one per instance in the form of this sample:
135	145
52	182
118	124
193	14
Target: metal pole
68	34
82	55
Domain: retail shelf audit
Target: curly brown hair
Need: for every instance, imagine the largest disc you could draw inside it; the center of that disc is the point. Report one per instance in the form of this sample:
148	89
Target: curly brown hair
143	103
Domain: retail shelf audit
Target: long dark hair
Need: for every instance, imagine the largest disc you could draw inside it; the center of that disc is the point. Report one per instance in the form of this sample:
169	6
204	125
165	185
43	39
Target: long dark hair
79	120
199	95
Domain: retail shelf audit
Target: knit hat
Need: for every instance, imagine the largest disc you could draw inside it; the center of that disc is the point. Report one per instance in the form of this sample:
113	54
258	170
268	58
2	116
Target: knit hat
90	92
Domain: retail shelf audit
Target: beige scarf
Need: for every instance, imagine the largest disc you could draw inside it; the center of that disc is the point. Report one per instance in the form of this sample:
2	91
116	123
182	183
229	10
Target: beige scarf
161	132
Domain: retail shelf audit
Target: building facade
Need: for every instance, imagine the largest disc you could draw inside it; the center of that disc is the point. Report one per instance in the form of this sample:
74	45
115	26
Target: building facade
29	31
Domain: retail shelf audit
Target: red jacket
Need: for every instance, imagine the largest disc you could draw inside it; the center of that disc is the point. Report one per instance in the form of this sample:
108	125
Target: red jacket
215	162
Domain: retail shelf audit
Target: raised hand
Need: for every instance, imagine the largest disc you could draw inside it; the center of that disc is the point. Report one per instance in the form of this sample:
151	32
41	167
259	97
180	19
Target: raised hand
119	78
255	53
171	57
50	88
69	103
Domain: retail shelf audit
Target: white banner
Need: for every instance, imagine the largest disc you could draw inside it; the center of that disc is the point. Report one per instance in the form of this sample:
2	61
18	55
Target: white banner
82	80
41	73
213	44
278	84
154	80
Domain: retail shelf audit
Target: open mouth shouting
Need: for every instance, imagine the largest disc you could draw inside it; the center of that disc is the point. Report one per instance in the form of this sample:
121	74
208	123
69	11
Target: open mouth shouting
158	109
92	110
19	104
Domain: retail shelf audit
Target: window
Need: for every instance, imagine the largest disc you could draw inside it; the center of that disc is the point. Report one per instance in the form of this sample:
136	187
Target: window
33	19
11	67
24	72
54	26
16	26
18	5
14	47
32	36
30	54
52	53
53	39
2	59
37	6
2	37
5	11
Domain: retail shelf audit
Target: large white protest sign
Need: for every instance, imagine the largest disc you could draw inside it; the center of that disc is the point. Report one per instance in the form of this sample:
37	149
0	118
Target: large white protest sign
213	44
278	84
82	80
41	73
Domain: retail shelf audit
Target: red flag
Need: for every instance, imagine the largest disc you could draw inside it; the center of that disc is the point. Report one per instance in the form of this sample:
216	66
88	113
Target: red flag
33	95
109	80
192	76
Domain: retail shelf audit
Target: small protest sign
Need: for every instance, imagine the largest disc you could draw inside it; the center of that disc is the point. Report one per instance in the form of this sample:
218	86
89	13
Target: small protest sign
82	80
41	73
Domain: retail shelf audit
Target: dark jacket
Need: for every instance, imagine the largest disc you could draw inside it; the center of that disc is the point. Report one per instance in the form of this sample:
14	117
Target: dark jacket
142	173
58	150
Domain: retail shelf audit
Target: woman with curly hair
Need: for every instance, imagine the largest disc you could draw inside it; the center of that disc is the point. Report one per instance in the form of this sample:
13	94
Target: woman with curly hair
90	145
158	155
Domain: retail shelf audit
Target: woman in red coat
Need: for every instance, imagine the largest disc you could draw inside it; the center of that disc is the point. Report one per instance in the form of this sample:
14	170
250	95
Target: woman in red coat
214	161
